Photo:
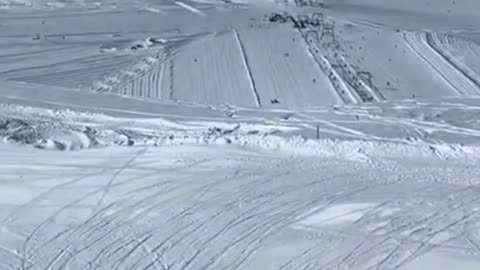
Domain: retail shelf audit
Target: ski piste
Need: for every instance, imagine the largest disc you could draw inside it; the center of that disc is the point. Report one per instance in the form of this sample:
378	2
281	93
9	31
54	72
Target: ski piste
209	134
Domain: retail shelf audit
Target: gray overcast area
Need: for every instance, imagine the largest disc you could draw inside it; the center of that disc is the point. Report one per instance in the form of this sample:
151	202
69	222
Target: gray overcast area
239	134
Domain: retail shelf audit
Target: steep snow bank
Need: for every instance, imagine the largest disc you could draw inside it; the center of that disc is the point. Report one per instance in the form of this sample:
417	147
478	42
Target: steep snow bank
68	130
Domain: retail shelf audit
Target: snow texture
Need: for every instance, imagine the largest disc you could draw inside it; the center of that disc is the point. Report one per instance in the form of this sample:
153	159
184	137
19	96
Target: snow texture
218	134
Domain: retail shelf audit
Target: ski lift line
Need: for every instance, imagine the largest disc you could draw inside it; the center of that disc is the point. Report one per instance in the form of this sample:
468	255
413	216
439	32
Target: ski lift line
341	89
337	94
359	89
376	96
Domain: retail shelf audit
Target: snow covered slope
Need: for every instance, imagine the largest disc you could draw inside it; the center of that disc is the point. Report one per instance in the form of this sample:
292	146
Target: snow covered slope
212	134
283	70
194	207
212	71
457	7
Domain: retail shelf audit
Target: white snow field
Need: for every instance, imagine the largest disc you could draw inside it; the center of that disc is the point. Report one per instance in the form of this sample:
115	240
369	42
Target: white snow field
240	135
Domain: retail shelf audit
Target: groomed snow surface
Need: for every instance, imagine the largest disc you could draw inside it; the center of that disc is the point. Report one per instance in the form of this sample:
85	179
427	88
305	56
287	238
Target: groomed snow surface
211	134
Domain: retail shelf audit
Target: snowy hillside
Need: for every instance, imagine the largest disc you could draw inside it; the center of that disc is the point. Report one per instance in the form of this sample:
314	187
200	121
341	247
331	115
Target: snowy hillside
419	6
216	134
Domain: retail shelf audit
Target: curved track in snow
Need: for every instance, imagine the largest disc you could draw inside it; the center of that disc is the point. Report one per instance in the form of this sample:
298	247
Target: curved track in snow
432	40
422	44
189	208
454	55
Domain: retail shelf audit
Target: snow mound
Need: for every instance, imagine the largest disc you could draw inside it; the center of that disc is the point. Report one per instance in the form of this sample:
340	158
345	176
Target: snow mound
69	130
45	135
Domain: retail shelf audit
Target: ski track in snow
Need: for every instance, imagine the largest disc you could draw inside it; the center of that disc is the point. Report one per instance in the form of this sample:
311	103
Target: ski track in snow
238	217
449	53
418	42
